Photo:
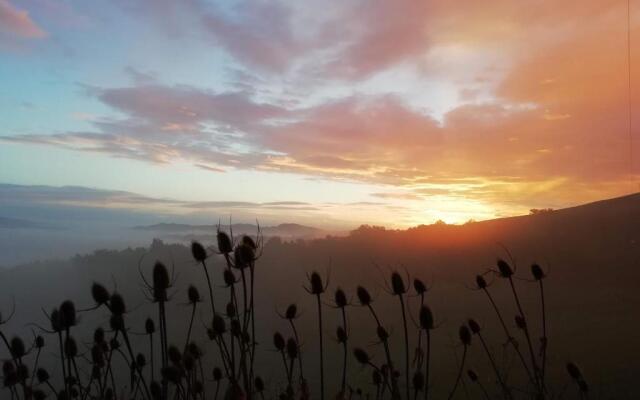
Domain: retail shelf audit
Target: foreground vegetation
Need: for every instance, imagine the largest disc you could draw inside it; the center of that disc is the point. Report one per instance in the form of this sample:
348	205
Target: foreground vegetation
224	362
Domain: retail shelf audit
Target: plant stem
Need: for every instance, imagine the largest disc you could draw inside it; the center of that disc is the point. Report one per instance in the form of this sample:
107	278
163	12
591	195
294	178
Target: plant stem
455	386
426	369
406	346
321	349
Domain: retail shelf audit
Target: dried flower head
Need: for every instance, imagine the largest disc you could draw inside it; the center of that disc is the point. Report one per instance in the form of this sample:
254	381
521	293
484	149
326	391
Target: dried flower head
574	371
228	277
278	341
243	256
217	374
382	333
100	294
224	243
198	252
41	375
340	298
474	326
315	281
521	323
363	296
161	281
472	375
361	356
419	286
149	326
537	272
504	268
39	342
219	326
17	347
426	318
397	284
67	314
193	294
259	384
292	312
465	335
481	282
231	310
116	303
175	356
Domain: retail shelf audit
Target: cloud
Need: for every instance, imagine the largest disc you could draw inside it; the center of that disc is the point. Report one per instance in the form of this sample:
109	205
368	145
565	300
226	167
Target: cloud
16	23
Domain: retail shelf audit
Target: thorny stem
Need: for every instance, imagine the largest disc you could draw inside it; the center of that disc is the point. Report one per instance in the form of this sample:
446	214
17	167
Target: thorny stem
344	346
406	346
507	393
295	335
385	342
455	386
528	337
321	350
426	369
510	339
206	272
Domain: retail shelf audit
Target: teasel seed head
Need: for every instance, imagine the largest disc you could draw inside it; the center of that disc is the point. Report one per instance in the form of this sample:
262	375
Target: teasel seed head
175	356
39	395
574	371
481	282
537	272
231	310
361	356
419	286
198	252
426	318
474	326
141	360
235	328
193	295
315	280
278	341
382	333
521	323
17	347
219	325
39	342
397	284
418	381
465	335
259	384
195	350
54	317
189	362
217	374
504	268
472	375
67	314
99	293
363	296
161	281
229	278
224	243
292	312
243	256
117	304
41	375
149	326
340	298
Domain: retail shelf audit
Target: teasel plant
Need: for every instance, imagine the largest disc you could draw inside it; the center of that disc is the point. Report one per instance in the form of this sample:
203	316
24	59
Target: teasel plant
576	376
476	330
291	315
317	288
397	288
465	339
342	335
427	325
538	276
365	299
473	377
505	271
483	285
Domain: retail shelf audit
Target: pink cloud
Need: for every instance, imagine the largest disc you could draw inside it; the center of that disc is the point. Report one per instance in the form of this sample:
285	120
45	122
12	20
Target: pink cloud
17	23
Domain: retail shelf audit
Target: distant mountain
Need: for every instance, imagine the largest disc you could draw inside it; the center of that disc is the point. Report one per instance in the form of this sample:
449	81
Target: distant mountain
17	223
285	230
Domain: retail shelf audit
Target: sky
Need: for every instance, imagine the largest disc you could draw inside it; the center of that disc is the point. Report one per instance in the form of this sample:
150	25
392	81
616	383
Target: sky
390	113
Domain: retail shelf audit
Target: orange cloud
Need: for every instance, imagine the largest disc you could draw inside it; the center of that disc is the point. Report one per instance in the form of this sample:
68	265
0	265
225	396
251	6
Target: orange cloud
17	23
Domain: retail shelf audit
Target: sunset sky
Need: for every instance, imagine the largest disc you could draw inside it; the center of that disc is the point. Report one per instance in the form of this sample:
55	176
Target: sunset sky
332	113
